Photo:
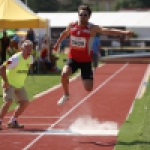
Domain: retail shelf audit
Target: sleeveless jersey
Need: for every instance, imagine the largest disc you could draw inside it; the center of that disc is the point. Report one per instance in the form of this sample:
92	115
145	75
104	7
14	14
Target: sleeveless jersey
80	43
17	75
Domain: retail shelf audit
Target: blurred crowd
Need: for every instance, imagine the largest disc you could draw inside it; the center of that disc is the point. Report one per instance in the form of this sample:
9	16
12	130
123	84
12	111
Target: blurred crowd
44	58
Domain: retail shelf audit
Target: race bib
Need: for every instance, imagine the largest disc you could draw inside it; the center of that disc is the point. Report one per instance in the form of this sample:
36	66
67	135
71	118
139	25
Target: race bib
78	42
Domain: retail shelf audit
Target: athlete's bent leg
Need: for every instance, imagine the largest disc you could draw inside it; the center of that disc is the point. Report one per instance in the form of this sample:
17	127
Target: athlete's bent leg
66	72
20	108
13	123
87	76
88	84
4	108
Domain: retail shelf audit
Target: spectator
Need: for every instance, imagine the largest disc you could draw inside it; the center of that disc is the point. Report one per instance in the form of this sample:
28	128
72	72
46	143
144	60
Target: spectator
62	46
96	51
44	44
4	44
53	60
31	35
48	59
44	60
34	53
16	38
121	38
12	48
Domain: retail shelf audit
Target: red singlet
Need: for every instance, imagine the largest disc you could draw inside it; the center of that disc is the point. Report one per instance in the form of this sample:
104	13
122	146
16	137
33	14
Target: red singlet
80	43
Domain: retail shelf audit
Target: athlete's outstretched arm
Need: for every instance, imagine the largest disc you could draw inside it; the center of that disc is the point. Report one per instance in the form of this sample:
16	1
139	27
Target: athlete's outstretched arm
111	31
63	35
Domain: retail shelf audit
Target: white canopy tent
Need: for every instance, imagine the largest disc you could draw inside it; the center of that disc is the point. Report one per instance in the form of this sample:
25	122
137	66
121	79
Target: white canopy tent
120	18
59	19
137	21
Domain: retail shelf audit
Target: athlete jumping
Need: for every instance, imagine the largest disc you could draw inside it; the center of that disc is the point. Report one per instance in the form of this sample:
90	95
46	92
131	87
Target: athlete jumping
82	33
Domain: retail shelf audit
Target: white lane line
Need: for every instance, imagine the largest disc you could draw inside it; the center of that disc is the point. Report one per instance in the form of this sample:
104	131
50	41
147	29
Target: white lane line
37	117
139	90
67	132
74	107
144	80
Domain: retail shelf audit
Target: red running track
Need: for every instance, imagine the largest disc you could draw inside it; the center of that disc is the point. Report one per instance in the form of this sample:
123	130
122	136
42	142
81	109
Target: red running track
47	125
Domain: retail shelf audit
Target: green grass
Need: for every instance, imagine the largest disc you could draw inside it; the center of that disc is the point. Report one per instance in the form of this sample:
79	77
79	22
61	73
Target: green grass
134	134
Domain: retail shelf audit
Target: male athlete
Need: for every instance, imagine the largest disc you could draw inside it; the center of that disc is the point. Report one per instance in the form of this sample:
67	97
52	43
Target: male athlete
81	34
14	72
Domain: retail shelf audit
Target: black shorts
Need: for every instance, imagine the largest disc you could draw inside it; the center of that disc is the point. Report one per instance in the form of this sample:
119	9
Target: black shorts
86	68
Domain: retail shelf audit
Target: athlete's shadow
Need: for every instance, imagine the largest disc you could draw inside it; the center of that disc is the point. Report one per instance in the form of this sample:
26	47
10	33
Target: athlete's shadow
33	130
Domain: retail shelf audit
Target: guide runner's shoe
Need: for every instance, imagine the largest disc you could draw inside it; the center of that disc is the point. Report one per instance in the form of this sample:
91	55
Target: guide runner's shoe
14	124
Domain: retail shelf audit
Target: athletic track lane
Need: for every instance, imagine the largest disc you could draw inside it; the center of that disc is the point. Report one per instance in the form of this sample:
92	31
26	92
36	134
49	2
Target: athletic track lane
115	88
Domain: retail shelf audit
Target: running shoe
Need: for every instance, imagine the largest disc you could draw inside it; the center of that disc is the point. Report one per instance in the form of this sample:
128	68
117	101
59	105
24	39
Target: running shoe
14	124
63	99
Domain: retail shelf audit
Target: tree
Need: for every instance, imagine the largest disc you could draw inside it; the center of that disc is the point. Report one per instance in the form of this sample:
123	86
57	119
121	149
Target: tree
43	5
47	5
120	4
32	4
69	5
